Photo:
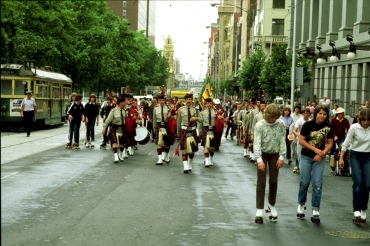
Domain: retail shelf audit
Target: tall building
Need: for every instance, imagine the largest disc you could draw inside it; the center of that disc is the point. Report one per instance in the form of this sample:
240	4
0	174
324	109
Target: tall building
168	52
140	14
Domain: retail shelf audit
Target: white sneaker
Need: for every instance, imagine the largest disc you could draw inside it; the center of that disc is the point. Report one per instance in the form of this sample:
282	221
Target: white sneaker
87	144
300	209
259	213
363	215
272	210
120	155
124	153
167	157
357	214
115	157
315	213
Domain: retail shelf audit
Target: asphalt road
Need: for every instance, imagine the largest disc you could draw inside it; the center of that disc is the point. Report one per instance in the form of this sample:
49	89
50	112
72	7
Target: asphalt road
55	196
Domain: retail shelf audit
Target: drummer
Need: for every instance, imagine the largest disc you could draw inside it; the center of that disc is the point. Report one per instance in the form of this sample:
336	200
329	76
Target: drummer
164	134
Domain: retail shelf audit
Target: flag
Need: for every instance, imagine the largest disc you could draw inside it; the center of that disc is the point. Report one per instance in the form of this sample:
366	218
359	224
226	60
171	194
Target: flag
206	92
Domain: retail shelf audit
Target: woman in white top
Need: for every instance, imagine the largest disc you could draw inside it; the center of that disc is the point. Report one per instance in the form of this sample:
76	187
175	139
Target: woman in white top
359	138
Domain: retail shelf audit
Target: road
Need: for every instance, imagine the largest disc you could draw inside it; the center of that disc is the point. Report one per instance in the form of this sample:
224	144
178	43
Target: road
55	196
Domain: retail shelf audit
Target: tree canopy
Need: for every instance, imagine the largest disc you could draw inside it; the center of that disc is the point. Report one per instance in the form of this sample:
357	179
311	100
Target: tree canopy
82	39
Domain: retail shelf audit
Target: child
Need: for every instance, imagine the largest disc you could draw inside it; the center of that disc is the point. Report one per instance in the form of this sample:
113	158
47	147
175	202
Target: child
76	113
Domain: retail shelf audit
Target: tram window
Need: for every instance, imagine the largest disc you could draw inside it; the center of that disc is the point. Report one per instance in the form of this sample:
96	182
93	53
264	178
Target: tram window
67	91
6	87
43	89
56	91
20	87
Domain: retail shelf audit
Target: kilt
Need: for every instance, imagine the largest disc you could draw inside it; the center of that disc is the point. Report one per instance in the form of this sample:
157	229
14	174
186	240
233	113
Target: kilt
204	137
183	140
123	140
170	135
131	137
217	138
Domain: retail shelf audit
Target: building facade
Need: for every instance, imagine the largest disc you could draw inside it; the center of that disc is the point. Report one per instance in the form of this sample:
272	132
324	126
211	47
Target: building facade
168	52
343	78
140	14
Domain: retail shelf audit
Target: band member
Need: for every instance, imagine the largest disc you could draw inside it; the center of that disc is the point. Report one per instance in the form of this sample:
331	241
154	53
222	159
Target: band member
254	110
186	130
207	118
219	123
117	134
164	132
243	117
106	108
131	110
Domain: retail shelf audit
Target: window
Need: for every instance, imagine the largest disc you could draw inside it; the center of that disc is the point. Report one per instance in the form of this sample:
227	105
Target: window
67	91
43	90
56	91
278	27
6	87
20	87
278	4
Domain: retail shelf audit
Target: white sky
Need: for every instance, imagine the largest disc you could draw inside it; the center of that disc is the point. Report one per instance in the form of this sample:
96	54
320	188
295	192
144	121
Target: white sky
185	21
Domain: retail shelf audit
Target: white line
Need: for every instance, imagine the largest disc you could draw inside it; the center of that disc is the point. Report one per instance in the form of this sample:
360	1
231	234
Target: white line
9	175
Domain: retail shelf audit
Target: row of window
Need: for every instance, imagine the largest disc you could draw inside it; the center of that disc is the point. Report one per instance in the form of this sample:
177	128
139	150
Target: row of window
41	89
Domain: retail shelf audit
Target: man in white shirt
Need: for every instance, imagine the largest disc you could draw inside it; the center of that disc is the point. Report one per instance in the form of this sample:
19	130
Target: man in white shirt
28	111
325	101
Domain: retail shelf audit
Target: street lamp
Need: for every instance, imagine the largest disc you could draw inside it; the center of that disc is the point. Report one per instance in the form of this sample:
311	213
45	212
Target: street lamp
272	23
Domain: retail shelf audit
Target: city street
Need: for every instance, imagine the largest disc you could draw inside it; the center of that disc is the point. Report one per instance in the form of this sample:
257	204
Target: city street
56	196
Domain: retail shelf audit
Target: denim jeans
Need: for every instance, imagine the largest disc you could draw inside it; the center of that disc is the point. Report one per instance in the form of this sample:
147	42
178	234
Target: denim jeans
315	170
90	127
360	165
74	128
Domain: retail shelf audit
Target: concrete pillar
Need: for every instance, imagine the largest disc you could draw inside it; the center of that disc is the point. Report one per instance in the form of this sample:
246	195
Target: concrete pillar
363	17
323	21
348	18
314	22
305	22
335	20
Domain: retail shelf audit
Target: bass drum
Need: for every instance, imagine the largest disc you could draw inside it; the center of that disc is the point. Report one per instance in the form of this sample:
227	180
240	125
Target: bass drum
142	135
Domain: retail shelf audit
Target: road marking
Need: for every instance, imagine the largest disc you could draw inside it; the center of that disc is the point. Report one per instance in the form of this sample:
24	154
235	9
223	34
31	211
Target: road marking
9	175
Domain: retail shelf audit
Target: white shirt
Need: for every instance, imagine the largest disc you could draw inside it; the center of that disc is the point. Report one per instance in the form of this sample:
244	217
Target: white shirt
29	104
358	137
327	102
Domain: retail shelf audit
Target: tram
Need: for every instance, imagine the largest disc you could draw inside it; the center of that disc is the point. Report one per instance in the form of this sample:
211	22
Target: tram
51	91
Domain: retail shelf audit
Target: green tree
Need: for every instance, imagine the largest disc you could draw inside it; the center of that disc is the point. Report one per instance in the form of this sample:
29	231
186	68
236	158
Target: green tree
250	72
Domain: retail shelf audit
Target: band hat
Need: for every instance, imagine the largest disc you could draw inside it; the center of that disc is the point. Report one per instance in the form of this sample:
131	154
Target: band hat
217	101
28	92
340	110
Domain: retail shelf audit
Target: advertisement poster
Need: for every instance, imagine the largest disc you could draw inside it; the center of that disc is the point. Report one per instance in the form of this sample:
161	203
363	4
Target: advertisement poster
15	107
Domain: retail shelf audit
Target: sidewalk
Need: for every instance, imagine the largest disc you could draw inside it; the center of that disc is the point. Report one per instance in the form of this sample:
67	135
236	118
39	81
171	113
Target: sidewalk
16	145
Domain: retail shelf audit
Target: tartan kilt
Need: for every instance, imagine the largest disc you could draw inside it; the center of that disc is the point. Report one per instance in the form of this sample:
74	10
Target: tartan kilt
217	138
131	137
183	140
123	140
204	137
170	135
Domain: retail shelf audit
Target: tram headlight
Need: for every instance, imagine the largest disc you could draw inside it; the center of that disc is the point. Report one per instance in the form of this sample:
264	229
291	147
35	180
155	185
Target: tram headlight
3	108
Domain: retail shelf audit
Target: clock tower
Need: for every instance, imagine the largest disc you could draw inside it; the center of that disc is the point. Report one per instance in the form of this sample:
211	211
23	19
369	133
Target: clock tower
168	52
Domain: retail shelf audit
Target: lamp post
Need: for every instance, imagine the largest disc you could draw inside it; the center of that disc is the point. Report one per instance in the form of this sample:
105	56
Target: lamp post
272	23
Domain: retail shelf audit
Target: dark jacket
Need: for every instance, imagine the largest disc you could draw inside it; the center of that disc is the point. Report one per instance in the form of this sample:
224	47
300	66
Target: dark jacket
106	110
76	111
92	110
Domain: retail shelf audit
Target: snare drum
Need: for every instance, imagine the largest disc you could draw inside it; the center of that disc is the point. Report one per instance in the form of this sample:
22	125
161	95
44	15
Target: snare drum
142	135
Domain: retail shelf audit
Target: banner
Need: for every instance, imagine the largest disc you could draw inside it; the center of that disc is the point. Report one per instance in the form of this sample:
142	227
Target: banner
206	92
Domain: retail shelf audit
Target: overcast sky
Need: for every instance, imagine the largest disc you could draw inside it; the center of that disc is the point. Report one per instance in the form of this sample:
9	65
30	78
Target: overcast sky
185	21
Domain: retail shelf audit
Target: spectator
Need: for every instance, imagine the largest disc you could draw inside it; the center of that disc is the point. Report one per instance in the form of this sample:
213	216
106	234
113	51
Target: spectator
288	121
358	139
324	100
356	116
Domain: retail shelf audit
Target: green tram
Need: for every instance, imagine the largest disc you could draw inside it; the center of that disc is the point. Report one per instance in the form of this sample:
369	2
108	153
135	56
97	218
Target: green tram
51	91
